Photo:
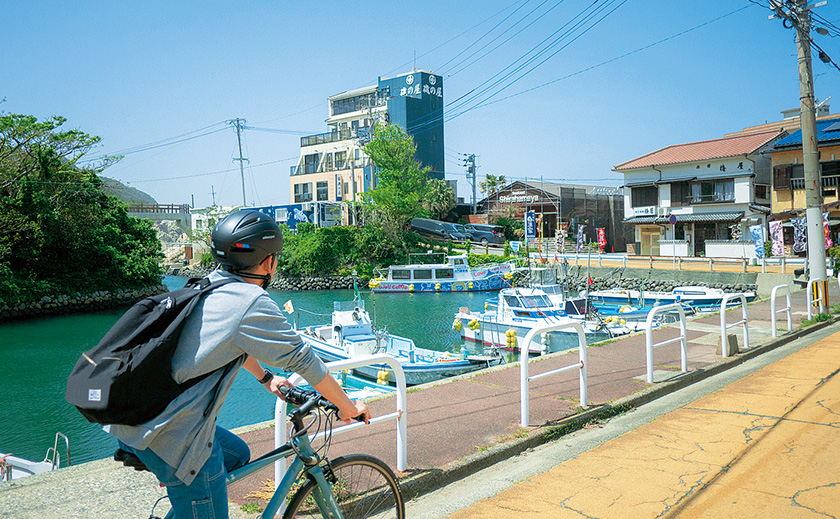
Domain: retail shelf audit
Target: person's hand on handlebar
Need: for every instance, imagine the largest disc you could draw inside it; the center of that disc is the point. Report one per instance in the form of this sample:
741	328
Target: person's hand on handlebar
360	413
276	383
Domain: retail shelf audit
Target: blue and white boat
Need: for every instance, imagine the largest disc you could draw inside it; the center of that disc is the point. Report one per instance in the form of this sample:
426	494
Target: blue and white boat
351	334
697	297
453	275
519	310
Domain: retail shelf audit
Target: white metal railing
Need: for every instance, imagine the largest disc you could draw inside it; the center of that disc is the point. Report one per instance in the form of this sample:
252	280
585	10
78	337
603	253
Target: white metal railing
724	349
809	296
649	346
523	367
401	414
785	289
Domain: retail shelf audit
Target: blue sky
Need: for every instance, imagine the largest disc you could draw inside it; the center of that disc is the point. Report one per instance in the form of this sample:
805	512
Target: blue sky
640	75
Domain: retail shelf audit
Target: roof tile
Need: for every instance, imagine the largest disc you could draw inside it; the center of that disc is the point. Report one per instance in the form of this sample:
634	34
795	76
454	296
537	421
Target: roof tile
702	150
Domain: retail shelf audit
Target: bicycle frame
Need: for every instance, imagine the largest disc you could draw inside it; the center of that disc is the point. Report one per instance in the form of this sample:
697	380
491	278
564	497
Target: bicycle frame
323	494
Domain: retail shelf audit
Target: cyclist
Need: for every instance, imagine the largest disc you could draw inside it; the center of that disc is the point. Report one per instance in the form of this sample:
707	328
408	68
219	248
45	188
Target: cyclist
238	325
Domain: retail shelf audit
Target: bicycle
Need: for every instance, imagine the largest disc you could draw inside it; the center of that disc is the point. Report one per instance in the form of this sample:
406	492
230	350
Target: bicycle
347	487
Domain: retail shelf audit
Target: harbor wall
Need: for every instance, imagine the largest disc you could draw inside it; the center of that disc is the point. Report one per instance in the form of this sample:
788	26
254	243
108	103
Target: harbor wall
665	280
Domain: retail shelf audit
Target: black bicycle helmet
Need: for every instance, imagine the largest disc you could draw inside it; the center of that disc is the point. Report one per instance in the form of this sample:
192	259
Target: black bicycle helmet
243	239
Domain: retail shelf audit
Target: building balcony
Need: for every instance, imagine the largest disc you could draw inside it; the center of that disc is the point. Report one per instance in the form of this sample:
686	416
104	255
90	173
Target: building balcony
326	138
799	183
306	169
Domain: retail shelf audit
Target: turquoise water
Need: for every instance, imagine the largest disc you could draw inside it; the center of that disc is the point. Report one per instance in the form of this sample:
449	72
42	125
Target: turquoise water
36	356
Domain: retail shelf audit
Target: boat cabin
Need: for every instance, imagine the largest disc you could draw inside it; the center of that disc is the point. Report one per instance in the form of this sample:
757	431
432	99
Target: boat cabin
447	271
526	303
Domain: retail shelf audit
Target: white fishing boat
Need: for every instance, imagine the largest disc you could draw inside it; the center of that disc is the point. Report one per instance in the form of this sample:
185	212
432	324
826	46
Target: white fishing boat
351	334
506	321
452	275
698	297
14	467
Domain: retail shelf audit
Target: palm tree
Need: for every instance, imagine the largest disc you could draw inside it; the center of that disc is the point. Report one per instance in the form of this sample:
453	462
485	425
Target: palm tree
439	199
492	183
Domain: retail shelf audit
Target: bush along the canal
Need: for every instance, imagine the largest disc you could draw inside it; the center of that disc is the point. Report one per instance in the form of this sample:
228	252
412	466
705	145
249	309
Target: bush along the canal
76	303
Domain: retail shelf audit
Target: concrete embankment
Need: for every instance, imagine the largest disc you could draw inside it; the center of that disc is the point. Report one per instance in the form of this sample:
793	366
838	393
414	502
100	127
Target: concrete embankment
665	280
279	282
77	303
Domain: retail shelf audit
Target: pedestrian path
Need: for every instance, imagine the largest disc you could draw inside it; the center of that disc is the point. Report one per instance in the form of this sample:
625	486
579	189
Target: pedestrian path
767	445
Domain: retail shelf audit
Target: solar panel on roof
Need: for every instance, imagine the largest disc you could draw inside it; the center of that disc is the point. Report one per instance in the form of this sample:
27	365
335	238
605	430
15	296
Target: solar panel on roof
833	128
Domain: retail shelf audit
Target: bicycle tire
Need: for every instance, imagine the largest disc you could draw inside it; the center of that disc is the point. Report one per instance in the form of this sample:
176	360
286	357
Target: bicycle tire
367	487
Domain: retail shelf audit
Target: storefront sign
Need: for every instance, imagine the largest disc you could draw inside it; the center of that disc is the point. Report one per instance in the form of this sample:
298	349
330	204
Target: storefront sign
516	197
416	90
644	211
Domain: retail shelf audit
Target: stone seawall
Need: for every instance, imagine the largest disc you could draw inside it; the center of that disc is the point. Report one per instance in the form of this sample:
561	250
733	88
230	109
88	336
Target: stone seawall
657	280
280	282
76	303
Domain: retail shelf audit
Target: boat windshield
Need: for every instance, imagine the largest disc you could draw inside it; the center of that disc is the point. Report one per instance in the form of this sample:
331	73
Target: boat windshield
536	301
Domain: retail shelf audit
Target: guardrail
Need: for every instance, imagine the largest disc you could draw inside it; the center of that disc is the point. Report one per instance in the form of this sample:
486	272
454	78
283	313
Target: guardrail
649	346
773	312
524	348
809	295
401	414
723	326
774	264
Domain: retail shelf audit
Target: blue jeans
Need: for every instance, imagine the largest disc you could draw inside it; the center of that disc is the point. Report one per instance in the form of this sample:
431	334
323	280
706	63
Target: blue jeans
206	497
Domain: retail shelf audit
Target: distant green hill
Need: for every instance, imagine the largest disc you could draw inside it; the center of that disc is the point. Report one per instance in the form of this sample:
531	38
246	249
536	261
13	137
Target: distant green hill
127	194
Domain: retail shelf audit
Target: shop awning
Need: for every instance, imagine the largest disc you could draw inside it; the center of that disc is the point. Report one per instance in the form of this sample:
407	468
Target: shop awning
704	217
634	220
687	218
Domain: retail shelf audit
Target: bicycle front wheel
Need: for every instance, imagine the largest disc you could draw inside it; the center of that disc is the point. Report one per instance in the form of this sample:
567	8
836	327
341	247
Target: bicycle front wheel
364	487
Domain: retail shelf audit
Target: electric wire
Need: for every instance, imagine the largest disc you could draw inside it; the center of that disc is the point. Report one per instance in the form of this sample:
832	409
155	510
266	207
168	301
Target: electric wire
566	30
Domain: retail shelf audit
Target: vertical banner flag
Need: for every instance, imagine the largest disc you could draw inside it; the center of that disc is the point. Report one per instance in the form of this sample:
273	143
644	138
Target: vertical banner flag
602	239
530	226
799	236
757	232
828	242
564	231
777	237
580	237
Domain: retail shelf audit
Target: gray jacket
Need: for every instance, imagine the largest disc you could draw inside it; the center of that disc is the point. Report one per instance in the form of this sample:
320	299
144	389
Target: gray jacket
234	319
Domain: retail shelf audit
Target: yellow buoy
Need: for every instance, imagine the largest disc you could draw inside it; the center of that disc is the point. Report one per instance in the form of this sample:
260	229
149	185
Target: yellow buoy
411	288
437	286
457	325
470	285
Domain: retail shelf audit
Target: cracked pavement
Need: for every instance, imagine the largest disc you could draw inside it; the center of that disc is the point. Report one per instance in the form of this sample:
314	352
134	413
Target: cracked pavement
765	445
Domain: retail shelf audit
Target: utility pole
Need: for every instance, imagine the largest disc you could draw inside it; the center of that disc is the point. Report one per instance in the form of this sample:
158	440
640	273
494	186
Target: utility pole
810	152
238	124
469	163
798	14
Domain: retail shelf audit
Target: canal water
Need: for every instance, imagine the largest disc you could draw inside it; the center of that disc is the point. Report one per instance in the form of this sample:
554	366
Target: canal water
36	356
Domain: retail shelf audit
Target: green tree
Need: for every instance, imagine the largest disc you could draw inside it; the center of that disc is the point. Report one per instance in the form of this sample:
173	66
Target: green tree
401	181
59	232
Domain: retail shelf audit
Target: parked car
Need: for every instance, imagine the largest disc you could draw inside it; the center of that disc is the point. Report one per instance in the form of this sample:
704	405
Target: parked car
437	230
486	234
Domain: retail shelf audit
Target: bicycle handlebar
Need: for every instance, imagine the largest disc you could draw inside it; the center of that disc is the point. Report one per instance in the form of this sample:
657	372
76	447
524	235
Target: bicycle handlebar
306	399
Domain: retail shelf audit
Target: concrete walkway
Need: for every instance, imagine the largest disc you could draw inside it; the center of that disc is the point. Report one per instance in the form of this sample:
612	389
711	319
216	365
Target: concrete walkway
455	427
767	445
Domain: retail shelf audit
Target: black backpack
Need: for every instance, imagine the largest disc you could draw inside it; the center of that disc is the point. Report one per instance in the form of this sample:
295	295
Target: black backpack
127	378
